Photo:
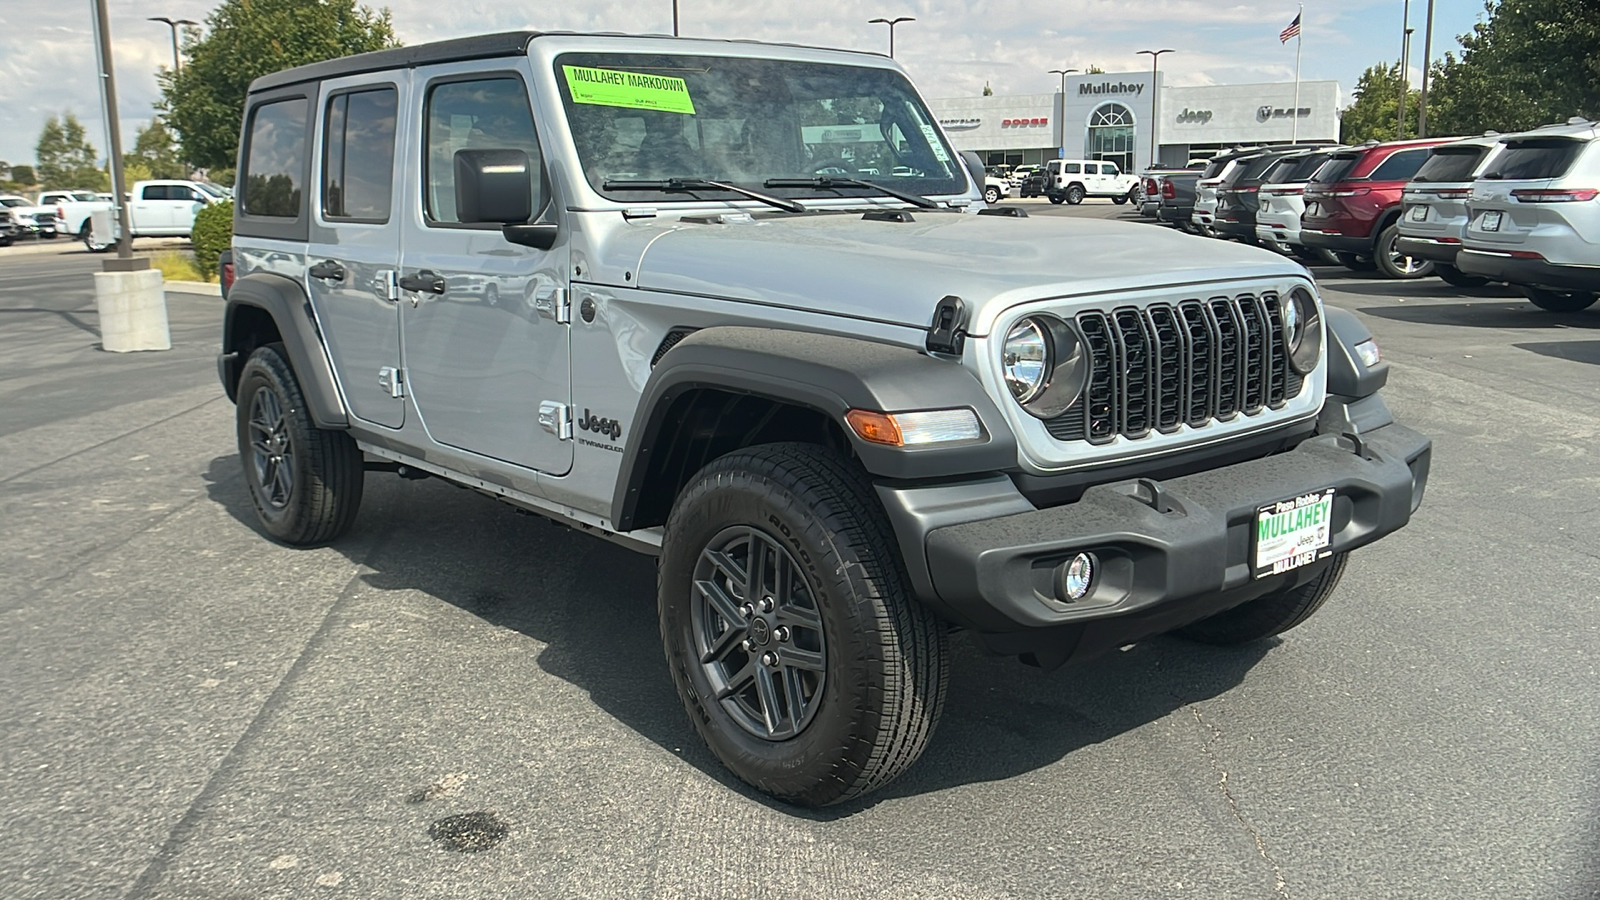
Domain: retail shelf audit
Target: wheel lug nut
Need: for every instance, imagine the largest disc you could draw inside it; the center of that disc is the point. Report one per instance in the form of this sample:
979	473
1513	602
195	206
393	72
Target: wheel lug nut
745	645
781	632
766	604
747	610
769	659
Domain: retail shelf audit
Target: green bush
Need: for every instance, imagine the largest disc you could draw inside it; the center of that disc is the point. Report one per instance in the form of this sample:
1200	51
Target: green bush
213	233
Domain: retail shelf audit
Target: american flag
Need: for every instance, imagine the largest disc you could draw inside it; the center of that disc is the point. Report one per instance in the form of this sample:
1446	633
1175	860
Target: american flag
1292	31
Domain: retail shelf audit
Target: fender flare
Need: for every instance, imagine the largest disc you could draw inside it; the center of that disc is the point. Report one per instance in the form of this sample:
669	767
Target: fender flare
285	301
825	373
1348	376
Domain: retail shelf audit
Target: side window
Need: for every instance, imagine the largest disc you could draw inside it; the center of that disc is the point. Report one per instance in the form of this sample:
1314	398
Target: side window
153	192
1109	169
1401	166
358	155
1072	168
491	114
275	162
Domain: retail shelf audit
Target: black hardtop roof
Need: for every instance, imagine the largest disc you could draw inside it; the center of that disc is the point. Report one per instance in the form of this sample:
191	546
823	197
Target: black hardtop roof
482	46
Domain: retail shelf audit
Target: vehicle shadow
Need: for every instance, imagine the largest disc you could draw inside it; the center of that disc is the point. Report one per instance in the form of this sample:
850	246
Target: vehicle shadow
1487	314
1427	288
590	603
1573	351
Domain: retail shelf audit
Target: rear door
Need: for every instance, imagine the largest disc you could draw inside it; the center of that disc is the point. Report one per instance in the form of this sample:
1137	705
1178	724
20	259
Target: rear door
149	210
354	249
485	333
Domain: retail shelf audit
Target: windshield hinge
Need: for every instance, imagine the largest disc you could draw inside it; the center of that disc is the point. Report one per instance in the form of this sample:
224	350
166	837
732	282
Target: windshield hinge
948	333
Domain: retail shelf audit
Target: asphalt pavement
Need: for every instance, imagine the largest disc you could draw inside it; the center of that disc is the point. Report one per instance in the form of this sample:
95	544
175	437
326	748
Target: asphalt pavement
459	701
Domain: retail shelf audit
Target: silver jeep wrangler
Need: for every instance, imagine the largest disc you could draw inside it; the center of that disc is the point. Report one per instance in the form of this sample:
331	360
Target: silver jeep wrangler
740	306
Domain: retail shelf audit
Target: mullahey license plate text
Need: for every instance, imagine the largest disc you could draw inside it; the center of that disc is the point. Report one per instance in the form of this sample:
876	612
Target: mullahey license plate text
1293	533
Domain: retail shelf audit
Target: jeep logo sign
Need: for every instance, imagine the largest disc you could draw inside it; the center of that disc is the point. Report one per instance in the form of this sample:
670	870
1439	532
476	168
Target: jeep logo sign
1110	87
1194	116
611	428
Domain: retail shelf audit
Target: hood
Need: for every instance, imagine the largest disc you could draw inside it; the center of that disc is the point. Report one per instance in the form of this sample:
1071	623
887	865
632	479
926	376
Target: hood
896	272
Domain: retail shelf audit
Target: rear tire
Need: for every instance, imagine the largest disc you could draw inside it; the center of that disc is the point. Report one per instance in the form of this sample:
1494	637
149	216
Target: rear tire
1306	254
1120	200
1559	301
1075	194
1394	264
305	482
1457	278
1273	614
856	680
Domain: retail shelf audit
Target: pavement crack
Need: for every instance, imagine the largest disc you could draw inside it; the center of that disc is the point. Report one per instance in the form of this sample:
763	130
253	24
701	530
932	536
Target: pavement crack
1279	885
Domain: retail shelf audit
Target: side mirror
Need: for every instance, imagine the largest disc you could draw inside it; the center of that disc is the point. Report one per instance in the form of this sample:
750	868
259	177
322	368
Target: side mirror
493	186
975	168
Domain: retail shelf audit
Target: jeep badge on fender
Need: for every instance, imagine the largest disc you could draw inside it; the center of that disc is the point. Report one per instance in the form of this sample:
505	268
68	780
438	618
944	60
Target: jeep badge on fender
823	458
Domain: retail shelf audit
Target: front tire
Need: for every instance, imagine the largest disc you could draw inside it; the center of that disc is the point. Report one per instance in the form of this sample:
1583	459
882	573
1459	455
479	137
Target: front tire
1559	301
991	195
305	482
1272	614
799	653
1393	263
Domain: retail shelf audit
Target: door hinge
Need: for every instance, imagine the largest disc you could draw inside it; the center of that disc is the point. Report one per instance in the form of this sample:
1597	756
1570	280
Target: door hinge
392	380
552	302
386	285
556	418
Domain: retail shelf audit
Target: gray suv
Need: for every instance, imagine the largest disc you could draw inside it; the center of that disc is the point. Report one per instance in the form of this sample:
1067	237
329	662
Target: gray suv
650	288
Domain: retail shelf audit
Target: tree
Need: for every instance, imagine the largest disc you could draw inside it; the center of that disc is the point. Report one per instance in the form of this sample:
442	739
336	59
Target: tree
247	39
987	91
1094	70
154	153
66	158
1526	63
24	175
1372	117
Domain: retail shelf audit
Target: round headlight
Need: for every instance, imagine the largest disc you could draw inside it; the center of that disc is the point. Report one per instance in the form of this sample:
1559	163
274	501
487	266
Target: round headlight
1044	364
1025	360
1302	330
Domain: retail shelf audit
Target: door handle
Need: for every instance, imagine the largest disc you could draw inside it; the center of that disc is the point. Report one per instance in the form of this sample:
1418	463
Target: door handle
327	269
425	282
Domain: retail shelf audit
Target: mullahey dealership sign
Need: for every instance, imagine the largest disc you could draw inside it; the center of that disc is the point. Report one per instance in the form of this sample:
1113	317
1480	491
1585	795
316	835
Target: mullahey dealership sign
1109	87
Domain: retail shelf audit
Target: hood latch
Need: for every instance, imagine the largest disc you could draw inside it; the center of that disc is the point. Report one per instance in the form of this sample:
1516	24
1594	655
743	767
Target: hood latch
948	333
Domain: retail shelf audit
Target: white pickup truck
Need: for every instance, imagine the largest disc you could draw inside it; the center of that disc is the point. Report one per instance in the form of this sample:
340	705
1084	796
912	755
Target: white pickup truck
23	217
158	208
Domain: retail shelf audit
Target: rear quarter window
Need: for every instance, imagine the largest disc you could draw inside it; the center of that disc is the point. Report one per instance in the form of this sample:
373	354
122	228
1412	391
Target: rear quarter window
275	157
1536	158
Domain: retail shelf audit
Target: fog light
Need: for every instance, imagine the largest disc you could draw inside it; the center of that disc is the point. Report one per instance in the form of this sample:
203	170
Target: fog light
1074	580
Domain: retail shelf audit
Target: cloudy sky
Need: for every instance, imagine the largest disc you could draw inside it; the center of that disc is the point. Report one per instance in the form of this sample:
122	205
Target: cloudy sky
47	54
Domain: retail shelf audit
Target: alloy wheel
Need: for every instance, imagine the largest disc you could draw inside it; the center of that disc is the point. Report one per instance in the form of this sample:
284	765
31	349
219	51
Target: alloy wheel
271	450
757	633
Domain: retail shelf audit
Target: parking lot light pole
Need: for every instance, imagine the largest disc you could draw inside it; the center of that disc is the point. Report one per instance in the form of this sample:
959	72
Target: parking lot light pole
1061	114
891	23
173	24
1427	60
1155	61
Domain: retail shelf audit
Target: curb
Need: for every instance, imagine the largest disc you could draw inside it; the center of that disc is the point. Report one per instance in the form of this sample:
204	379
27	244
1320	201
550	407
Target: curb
204	288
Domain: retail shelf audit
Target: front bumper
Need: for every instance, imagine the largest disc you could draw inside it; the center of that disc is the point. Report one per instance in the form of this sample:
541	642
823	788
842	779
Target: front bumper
1159	568
1428	248
1499	266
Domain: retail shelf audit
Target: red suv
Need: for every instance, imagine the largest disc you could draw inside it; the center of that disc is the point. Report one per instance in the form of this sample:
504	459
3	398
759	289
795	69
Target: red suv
1353	206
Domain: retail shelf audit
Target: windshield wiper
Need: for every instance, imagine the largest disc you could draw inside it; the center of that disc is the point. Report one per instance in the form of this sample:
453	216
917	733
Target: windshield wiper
701	184
835	181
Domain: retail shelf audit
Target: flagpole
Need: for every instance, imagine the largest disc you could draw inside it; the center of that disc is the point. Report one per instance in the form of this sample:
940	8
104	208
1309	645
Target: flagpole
1295	116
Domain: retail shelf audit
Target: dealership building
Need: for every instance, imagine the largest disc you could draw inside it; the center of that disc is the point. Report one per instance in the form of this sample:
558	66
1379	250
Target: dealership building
1119	115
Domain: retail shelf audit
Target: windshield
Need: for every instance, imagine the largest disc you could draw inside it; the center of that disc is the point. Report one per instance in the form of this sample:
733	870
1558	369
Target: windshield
84	197
637	117
211	189
13	202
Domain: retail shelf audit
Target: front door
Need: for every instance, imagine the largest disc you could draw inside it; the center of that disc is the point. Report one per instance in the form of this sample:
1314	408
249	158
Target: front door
354	252
485	340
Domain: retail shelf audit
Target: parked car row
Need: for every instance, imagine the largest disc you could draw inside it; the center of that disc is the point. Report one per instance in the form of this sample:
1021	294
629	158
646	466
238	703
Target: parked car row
1520	209
156	208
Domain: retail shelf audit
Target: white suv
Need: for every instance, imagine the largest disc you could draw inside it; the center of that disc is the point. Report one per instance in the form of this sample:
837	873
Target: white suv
1071	180
1435	204
1534	216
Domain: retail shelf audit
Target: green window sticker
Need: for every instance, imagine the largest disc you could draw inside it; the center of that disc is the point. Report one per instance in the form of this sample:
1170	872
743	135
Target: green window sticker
630	90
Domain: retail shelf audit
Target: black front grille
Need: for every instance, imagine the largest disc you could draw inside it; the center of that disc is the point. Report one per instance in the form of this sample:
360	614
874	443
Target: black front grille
1159	367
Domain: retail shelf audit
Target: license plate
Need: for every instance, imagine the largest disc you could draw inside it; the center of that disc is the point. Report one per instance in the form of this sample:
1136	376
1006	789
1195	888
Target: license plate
1313	209
1491	220
1293	533
1418	213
